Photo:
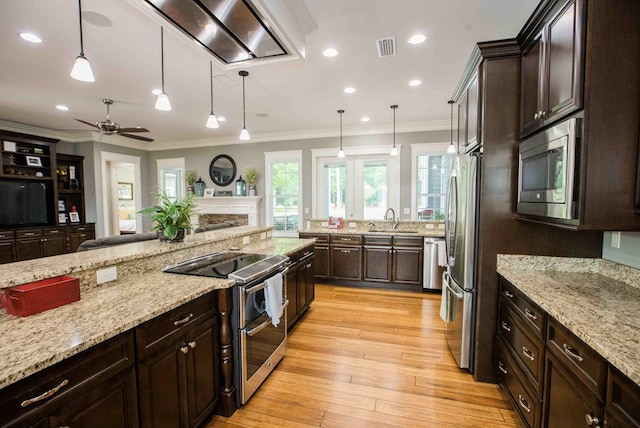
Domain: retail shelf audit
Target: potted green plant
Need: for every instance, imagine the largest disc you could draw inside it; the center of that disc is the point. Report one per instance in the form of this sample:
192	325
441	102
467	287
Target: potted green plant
171	218
190	176
252	175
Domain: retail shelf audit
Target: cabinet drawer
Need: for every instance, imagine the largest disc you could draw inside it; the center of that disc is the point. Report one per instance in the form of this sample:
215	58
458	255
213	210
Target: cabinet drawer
528	349
29	233
321	238
81	228
377	240
26	401
623	400
531	313
53	231
408	241
150	335
346	239
525	401
305	252
7	234
582	361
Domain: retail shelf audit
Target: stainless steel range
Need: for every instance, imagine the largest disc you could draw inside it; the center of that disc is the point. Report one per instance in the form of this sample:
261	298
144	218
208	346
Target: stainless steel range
258	346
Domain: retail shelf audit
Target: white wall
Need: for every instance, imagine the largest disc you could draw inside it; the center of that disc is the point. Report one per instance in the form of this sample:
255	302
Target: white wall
629	251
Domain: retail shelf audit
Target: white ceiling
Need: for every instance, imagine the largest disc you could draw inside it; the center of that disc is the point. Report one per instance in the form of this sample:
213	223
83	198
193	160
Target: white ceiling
300	97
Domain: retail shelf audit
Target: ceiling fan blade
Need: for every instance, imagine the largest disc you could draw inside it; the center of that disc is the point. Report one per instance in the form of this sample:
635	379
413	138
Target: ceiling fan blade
136	137
90	124
136	129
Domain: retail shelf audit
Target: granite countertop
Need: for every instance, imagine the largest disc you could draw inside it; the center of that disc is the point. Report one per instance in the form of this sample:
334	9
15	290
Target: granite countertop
430	228
33	343
423	233
598	300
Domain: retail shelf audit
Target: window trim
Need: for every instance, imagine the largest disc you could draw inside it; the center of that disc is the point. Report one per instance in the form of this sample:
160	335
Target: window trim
171	163
352	153
423	149
275	157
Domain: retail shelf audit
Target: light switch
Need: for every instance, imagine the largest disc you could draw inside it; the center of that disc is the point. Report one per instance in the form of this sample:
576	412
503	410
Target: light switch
615	239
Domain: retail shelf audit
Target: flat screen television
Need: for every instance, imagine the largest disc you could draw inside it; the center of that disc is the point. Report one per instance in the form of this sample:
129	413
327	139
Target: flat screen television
25	203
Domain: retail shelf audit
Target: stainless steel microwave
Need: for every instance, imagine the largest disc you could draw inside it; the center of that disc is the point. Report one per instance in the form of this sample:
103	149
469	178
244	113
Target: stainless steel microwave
547	171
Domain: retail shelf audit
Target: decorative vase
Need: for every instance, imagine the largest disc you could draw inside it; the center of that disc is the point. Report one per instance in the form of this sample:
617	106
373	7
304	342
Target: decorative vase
241	187
179	237
199	187
252	190
190	189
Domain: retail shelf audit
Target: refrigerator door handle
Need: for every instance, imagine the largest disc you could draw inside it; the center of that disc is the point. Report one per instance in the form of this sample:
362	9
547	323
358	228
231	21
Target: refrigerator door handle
458	295
451	221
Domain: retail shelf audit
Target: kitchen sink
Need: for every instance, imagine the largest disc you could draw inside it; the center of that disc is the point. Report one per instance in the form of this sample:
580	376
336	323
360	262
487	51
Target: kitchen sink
393	231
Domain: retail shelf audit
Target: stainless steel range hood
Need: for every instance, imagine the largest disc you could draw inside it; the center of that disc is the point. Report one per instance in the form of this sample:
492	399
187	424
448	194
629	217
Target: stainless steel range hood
232	30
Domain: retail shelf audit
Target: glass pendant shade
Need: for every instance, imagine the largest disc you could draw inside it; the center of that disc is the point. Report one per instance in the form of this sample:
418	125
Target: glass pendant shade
451	149
394	151
82	70
244	134
212	121
162	103
340	153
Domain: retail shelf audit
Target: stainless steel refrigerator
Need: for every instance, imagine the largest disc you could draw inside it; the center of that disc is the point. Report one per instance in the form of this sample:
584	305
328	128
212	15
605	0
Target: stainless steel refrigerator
460	279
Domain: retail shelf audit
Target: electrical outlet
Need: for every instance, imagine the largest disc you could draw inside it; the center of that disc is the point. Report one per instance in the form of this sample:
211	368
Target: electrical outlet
106	275
245	240
406	211
429	226
353	225
325	224
615	239
306	210
263	235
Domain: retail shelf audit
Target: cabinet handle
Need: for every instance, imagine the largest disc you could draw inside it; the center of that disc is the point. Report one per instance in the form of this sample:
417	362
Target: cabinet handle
502	367
52	232
29	234
543	114
535	115
82	235
528	353
572	353
530	314
192	345
183	320
509	294
43	240
524	403
506	326
591	420
45	395
184	349
309	265
345	251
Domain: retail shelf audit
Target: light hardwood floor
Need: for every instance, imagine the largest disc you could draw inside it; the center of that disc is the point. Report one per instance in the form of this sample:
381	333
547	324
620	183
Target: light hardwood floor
371	358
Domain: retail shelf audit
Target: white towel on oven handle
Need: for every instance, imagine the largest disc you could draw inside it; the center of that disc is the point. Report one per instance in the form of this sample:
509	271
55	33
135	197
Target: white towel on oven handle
273	298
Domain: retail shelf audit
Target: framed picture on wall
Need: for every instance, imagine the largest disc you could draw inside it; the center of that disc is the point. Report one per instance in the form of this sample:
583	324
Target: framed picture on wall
125	191
209	193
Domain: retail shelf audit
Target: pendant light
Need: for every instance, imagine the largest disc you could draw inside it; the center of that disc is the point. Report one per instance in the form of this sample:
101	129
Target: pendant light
244	134
394	149
451	149
162	103
212	121
340	152
82	69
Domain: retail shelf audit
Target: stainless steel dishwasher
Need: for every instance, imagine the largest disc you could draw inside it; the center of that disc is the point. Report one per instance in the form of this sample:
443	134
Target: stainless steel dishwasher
432	271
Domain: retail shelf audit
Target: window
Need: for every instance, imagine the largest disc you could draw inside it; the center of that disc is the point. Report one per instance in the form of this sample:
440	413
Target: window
431	171
284	187
171	177
358	186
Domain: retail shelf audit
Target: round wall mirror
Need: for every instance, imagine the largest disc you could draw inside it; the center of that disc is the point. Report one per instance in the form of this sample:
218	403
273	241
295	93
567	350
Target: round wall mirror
222	170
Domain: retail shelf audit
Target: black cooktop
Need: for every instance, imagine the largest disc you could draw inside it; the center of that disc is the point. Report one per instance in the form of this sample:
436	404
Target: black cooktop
218	265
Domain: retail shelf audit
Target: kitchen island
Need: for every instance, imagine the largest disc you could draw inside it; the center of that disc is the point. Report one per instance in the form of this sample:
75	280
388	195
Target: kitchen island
141	293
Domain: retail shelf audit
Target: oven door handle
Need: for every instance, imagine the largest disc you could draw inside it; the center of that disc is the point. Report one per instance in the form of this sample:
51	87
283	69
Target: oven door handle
265	324
261	286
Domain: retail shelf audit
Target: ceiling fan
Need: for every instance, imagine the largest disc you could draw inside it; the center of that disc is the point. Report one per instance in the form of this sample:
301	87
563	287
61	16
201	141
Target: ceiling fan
108	127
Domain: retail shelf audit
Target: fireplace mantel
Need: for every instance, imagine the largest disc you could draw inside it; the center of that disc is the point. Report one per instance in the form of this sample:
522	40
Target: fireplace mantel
247	205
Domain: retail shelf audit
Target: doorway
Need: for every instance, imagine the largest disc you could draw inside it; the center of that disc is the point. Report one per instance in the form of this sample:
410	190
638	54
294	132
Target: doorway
121	196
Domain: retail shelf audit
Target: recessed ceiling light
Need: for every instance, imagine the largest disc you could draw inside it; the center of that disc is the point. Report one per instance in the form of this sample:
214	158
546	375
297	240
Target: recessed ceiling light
415	82
330	52
156	92
416	39
349	90
61	107
365	119
30	37
221	119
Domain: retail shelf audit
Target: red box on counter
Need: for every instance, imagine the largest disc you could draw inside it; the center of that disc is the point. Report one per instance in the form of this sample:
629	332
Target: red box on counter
335	222
34	297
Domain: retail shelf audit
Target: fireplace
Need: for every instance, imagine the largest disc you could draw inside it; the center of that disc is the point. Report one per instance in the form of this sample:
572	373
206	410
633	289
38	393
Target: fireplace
231	208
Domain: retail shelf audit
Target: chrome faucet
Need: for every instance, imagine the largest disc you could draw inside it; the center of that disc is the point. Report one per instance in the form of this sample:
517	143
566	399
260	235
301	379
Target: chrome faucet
393	217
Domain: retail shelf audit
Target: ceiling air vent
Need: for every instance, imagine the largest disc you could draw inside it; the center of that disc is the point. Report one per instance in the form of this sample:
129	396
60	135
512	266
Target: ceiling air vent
386	47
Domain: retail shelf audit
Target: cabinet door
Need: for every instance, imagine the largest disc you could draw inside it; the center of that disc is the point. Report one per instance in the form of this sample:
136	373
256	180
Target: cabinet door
377	264
462	122
201	373
75	239
531	66
321	261
568	404
161	388
110	404
302	287
563	86
7	251
28	248
346	263
54	245
292	295
407	266
473	113
310	293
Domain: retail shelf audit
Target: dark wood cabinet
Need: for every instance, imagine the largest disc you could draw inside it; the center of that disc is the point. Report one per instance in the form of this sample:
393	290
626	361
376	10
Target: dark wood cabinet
177	373
96	388
408	254
306	278
292	295
300	283
346	257
552	69
377	254
321	250
7	246
78	234
623	401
